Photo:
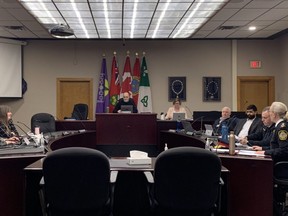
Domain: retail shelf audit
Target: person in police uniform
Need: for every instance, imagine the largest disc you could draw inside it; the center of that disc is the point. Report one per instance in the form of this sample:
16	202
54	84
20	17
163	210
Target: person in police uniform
279	142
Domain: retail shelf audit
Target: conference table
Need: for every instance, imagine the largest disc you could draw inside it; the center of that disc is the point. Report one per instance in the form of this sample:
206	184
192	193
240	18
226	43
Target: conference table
131	196
249	182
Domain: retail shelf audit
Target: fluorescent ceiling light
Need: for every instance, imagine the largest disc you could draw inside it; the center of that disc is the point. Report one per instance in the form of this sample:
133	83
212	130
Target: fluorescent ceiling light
119	19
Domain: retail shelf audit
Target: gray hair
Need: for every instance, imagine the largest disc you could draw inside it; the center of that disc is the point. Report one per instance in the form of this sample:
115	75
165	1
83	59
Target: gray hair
279	108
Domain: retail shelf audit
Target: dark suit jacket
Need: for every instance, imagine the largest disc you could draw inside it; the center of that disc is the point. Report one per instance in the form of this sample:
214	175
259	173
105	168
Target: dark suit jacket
262	137
122	102
254	128
230	122
279	143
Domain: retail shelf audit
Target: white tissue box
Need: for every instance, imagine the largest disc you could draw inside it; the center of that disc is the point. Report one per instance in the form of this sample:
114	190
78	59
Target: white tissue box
139	161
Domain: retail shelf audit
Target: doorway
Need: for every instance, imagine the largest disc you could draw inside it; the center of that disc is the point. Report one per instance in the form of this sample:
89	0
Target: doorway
71	91
258	90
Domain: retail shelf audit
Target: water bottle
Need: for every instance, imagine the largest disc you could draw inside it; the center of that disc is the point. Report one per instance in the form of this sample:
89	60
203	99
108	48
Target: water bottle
166	147
207	144
232	143
224	132
178	125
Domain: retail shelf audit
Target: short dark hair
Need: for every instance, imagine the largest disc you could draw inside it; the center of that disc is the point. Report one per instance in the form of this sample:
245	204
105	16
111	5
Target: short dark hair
252	107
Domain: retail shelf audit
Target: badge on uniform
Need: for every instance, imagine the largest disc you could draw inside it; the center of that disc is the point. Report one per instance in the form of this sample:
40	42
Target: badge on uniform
282	134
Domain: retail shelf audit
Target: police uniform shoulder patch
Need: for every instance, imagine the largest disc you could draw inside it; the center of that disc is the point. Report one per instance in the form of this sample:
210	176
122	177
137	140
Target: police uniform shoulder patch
283	134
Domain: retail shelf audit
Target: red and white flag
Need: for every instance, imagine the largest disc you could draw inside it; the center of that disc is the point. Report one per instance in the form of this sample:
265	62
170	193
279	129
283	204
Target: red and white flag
126	78
114	85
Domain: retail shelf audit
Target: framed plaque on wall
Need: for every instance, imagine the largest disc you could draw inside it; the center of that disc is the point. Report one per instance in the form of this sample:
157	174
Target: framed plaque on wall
177	88
211	88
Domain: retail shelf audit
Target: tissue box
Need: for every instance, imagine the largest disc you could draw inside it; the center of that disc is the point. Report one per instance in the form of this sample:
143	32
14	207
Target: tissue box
139	161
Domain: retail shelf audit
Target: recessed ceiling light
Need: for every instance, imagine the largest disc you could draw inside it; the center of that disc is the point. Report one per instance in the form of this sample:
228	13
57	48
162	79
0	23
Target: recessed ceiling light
252	28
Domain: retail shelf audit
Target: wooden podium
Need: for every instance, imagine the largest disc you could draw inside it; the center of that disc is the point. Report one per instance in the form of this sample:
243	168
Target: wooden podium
126	129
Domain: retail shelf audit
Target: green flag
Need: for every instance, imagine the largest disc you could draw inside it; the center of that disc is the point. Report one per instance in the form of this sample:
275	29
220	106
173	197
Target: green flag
145	99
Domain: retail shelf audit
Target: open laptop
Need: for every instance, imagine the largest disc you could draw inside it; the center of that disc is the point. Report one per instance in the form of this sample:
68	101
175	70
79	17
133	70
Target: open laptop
187	127
208	129
126	108
178	116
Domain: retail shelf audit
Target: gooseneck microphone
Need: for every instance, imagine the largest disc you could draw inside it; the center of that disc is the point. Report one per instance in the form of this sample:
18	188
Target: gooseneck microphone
187	108
81	120
28	137
22	123
201	123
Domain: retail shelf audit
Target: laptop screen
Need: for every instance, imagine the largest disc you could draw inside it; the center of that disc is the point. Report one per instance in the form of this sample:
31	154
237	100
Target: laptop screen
127	108
208	130
187	126
178	116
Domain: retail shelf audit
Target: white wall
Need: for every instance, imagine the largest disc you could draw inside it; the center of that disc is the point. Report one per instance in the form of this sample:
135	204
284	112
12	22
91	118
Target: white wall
44	61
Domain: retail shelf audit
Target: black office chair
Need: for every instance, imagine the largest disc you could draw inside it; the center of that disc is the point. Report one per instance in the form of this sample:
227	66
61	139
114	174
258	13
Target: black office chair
280	187
77	183
45	121
186	182
80	112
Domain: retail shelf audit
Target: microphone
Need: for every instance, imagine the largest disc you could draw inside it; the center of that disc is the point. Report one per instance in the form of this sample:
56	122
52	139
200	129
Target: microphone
22	123
201	123
28	137
186	107
63	127
81	120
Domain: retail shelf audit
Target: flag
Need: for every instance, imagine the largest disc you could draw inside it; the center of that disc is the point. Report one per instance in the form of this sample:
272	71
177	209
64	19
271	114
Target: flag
103	90
136	80
114	85
145	99
126	78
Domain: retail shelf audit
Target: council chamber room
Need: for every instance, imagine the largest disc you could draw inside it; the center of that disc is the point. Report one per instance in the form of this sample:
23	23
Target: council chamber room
117	107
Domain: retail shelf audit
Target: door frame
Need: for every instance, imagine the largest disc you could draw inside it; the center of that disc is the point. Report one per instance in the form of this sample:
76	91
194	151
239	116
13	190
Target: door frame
269	79
89	81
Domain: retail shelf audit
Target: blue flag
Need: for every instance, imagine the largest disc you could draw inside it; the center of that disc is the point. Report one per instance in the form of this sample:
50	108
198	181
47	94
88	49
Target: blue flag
102	105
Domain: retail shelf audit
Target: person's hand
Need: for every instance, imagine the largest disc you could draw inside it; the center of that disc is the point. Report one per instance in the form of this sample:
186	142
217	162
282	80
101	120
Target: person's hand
243	141
119	111
257	148
12	140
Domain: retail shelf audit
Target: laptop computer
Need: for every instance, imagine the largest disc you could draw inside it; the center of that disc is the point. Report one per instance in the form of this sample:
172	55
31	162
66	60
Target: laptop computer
178	116
189	130
208	129
126	108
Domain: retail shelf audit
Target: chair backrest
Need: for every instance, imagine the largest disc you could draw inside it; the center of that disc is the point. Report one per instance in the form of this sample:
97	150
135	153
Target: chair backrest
80	111
45	121
187	180
281	172
77	180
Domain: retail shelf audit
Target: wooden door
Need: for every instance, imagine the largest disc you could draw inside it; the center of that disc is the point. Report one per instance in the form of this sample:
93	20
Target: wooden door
255	90
71	91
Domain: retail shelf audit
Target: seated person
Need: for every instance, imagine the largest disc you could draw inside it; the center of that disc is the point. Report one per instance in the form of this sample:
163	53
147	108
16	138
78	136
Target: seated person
252	124
126	100
176	108
8	132
224	119
262	137
279	143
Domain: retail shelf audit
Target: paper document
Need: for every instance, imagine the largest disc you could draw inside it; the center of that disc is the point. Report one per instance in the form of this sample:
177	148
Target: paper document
249	153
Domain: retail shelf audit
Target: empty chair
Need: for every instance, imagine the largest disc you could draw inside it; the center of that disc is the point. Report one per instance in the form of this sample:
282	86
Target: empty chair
186	182
281	187
77	182
45	121
80	112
